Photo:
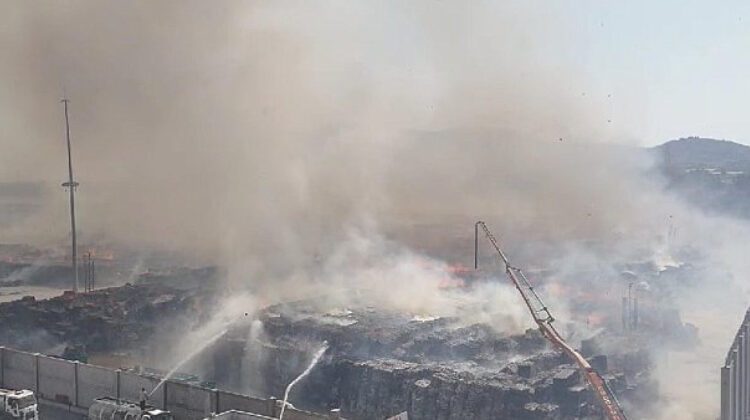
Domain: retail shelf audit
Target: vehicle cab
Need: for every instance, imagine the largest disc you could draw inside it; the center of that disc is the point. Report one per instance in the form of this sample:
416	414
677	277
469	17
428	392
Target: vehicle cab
20	405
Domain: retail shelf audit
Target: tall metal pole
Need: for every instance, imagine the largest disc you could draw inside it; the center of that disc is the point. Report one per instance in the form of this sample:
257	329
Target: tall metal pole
86	271
72	186
476	245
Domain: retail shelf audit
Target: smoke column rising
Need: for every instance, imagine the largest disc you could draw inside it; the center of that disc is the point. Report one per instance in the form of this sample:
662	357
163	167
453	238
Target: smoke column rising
262	128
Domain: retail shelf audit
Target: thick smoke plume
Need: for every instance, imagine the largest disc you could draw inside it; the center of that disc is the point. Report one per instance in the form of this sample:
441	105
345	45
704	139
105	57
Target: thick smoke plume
260	135
261	129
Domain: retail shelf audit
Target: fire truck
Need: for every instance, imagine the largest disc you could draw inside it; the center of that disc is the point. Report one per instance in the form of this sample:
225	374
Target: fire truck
113	409
18	405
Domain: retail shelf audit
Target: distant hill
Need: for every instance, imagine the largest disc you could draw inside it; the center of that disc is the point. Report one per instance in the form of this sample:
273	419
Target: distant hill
712	174
704	153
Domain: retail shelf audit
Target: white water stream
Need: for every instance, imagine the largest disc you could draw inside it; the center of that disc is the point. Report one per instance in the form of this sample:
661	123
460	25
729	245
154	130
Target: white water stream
314	362
189	357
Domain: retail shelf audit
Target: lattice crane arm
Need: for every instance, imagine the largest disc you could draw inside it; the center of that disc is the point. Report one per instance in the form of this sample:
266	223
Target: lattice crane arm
543	319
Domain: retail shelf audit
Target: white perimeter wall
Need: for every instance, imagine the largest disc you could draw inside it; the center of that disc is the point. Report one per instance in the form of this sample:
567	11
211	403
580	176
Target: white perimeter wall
78	384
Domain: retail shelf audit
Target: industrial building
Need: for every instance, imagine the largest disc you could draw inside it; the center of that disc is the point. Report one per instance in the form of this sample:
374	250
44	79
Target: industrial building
735	375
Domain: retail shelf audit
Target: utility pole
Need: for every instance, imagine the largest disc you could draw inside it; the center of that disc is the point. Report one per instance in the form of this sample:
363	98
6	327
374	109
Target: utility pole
71	185
93	276
89	274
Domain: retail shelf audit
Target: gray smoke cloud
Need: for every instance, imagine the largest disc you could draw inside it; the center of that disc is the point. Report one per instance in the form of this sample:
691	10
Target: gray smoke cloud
260	134
261	129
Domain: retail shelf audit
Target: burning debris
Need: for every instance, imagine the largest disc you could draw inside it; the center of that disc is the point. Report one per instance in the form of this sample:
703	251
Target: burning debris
436	359
105	320
379	363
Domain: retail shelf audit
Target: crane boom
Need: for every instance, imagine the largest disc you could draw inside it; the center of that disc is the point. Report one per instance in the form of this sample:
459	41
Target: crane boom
543	319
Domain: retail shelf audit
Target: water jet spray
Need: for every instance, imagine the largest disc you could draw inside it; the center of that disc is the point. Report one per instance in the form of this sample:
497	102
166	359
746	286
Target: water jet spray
189	357
314	362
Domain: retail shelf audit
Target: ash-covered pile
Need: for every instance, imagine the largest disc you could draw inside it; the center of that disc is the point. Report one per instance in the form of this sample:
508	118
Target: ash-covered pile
381	363
111	319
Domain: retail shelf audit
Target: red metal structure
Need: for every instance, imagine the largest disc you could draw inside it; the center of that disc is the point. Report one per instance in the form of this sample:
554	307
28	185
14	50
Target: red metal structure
544	319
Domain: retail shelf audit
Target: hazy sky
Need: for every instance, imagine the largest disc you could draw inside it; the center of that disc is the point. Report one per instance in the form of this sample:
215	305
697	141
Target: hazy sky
655	70
674	68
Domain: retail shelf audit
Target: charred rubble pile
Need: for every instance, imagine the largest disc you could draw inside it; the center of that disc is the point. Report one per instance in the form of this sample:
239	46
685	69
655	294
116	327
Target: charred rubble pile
111	319
379	364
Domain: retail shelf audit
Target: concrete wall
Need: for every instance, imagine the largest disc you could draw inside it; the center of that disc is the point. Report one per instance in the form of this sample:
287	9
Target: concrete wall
131	384
735	376
78	384
19	370
189	402
55	379
231	401
95	382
